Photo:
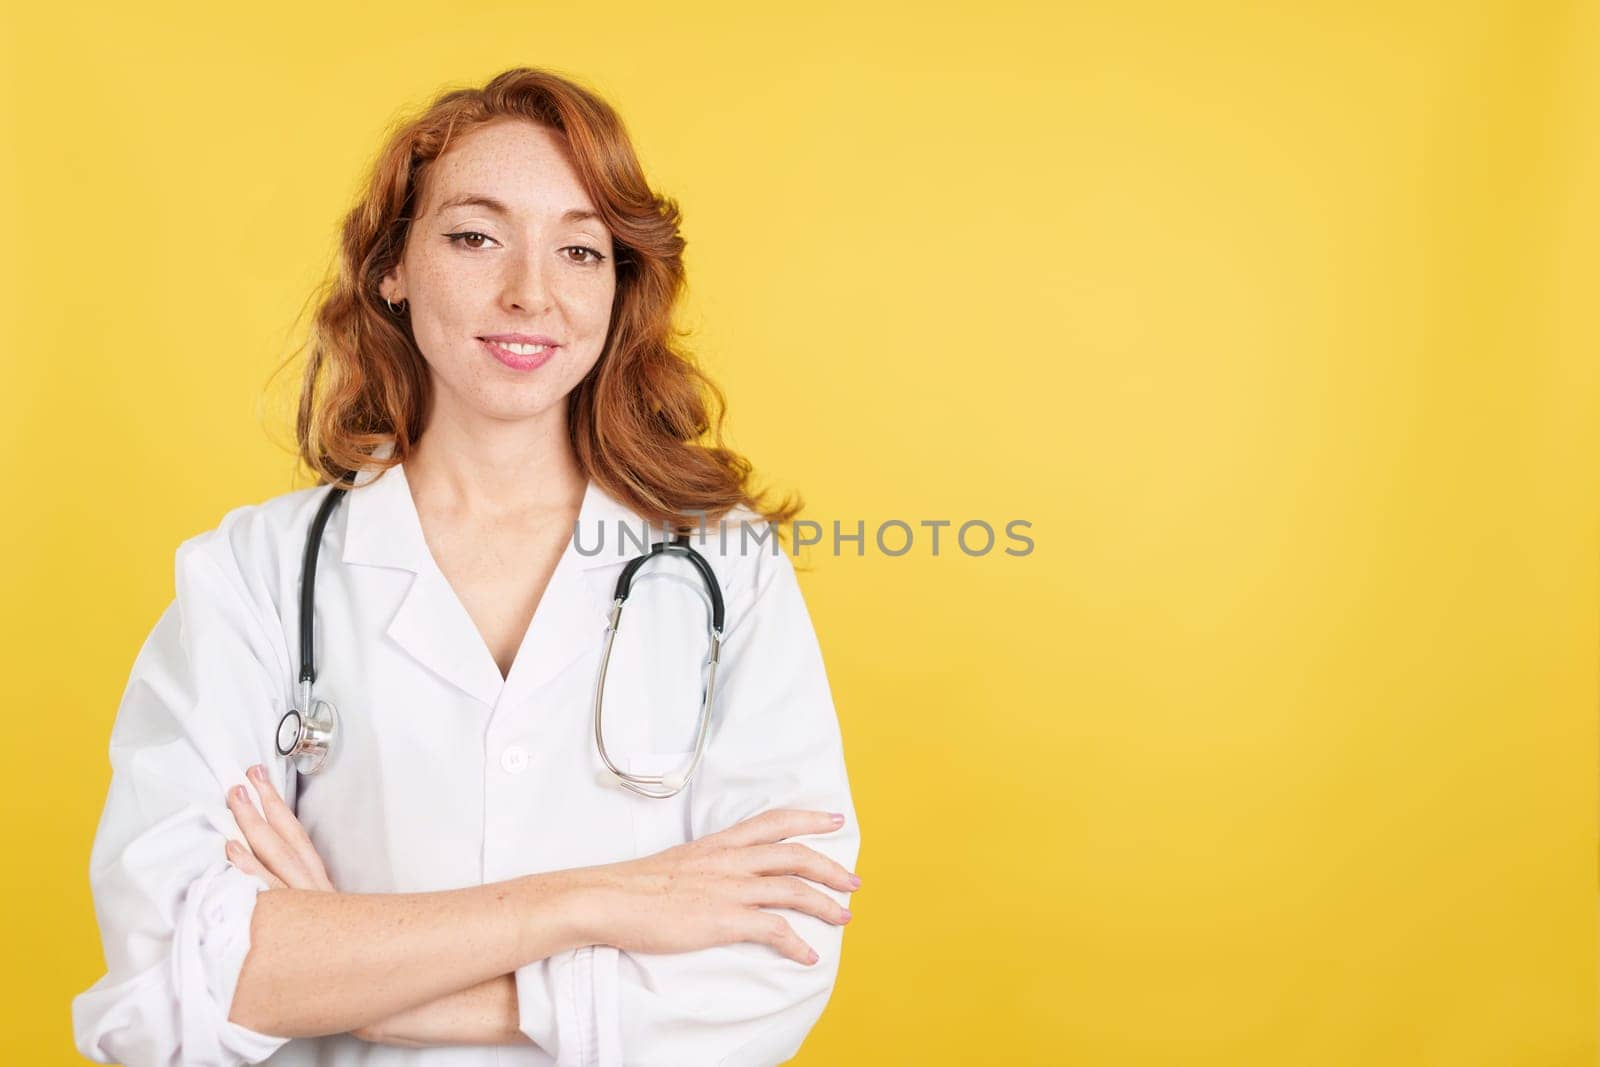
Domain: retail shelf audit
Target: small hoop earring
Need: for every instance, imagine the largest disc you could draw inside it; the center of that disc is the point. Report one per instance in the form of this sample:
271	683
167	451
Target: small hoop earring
396	310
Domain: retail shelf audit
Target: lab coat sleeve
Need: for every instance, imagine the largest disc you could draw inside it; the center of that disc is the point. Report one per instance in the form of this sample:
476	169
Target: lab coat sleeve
174	915
777	745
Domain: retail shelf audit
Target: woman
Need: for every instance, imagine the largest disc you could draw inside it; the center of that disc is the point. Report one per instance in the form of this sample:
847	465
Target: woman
494	365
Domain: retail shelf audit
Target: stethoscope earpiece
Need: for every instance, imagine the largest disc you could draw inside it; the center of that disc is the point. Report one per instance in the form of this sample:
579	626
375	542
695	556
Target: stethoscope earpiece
672	782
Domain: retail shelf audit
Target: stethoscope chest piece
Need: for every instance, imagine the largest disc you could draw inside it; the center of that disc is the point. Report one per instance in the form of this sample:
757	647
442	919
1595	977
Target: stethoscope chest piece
307	737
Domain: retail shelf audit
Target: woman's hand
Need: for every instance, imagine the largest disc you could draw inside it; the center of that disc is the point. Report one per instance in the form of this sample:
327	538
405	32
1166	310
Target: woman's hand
710	891
281	853
279	849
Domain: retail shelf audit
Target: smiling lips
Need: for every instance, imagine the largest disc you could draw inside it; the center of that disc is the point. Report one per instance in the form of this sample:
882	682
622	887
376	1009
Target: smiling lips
520	351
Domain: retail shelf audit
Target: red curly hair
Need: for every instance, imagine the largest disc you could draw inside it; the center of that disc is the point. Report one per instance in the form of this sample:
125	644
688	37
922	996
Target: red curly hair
645	423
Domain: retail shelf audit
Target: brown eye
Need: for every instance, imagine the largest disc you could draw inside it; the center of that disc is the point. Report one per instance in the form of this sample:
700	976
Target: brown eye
461	239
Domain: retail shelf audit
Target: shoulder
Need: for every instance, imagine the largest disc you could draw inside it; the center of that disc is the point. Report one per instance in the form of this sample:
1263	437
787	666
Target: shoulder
234	583
745	552
253	545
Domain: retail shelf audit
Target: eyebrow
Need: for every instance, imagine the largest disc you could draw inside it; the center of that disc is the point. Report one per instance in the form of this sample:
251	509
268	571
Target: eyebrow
489	203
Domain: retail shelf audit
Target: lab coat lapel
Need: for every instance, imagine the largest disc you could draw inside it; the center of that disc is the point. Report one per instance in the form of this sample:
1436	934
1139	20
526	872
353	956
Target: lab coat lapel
433	627
431	624
571	617
567	621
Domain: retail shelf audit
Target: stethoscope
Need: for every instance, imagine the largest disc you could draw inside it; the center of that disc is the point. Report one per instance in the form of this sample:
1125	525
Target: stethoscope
306	733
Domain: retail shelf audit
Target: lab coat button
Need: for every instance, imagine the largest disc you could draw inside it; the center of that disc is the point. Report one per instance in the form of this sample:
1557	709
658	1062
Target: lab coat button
514	760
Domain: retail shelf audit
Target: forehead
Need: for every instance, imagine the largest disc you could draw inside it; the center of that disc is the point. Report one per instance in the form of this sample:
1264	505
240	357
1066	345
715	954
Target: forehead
521	164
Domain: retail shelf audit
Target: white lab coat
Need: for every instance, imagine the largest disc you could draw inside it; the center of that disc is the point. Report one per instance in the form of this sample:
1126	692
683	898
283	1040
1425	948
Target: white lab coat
446	775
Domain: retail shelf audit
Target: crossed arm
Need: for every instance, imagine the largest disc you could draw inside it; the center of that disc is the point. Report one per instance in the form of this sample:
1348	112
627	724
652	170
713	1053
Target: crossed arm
278	849
699	894
484	1014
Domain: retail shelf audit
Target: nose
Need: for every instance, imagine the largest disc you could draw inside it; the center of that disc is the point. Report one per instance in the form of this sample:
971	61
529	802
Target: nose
526	285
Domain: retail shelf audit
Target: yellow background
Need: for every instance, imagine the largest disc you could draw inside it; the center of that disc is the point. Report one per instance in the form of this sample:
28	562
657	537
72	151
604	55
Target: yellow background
1277	321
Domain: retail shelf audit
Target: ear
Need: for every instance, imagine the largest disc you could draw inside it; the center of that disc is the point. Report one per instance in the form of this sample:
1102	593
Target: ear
392	286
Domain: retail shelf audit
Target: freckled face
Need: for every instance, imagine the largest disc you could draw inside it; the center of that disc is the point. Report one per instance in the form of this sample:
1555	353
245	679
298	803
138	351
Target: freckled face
528	263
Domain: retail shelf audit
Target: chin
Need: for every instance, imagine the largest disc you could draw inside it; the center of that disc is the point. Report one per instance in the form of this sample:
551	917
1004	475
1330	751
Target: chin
515	409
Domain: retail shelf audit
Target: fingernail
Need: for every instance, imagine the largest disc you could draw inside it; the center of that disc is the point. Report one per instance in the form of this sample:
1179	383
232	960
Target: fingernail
838	819
855	881
256	772
231	848
237	792
813	957
846	916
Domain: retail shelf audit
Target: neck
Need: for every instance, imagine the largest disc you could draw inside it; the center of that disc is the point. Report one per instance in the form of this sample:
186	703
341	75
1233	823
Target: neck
492	469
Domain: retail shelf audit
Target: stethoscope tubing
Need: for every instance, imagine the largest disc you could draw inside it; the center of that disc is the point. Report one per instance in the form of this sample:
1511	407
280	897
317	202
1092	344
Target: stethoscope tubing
306	733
